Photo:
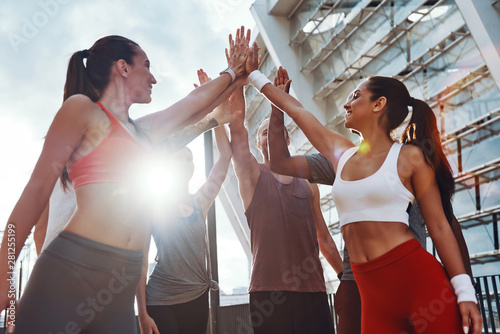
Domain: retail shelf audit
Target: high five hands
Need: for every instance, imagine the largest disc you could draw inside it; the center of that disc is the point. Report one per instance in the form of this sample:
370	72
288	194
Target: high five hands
223	113
237	53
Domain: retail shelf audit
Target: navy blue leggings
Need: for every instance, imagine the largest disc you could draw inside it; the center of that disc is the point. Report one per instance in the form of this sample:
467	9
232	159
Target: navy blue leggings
80	286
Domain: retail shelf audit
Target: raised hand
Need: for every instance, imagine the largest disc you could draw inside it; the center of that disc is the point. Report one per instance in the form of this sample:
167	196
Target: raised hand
202	77
282	81
253	59
238	50
223	113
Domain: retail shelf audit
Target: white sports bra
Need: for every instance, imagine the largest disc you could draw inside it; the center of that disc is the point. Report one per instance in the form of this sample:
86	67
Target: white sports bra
378	197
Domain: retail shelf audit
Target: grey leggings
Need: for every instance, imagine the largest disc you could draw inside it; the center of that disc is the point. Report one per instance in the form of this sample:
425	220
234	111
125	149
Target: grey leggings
80	286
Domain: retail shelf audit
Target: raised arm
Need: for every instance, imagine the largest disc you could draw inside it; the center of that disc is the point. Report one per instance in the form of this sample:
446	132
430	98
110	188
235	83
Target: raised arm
245	165
146	323
279	157
217	117
207	193
329	143
201	100
326	244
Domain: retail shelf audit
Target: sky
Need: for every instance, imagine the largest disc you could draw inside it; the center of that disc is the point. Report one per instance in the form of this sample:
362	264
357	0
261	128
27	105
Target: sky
37	40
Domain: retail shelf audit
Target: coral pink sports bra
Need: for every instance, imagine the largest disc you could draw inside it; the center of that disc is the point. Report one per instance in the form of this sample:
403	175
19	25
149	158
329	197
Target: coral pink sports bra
117	159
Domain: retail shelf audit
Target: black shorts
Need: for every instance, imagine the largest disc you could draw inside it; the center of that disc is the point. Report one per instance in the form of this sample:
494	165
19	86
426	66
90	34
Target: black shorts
284	312
80	284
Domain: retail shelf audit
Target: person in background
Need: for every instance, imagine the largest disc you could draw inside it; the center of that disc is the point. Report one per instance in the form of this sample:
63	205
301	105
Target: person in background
175	299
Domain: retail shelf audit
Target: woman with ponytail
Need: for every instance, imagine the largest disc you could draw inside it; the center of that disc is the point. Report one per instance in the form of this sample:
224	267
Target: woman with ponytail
403	288
85	280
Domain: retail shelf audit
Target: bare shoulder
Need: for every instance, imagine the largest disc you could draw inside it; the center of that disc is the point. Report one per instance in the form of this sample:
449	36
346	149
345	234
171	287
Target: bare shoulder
412	154
412	157
78	101
79	106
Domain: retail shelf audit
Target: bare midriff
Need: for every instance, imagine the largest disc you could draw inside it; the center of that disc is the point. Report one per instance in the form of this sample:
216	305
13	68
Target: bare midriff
111	213
368	240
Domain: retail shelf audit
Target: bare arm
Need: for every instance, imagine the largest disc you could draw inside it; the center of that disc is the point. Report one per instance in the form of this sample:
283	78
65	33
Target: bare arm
329	143
219	116
207	193
246	166
147	324
464	251
64	136
326	244
279	157
201	100
183	137
427	193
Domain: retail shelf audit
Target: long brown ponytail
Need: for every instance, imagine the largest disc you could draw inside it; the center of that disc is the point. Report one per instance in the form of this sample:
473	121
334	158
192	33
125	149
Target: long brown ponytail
422	131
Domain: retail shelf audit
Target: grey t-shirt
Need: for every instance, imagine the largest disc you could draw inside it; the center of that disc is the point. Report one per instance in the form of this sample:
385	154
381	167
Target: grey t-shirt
181	273
322	172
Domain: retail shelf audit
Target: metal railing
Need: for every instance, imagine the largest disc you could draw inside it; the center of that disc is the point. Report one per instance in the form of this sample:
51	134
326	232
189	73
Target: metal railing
236	318
489	304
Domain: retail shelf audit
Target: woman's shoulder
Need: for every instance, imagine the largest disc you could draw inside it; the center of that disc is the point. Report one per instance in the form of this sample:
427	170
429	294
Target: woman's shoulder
79	106
78	100
413	155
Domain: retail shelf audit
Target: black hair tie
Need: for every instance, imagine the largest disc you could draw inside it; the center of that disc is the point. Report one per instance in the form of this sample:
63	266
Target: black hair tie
412	102
85	53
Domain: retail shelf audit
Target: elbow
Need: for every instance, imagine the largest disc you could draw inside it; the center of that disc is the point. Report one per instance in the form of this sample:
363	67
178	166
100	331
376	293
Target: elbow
441	234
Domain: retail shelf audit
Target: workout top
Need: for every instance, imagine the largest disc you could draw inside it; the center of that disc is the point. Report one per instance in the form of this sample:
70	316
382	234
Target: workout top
182	271
322	172
116	159
283	239
378	197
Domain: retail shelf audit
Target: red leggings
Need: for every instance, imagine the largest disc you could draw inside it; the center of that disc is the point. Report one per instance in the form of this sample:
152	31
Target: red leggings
406	291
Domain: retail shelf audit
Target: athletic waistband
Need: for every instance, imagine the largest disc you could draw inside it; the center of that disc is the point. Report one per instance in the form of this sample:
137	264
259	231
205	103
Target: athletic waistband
92	254
391	256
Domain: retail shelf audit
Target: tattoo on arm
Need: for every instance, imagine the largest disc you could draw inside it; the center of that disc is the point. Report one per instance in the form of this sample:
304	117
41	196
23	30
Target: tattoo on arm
183	137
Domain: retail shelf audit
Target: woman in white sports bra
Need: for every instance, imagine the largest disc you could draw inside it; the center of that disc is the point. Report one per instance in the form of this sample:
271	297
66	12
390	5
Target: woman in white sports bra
403	288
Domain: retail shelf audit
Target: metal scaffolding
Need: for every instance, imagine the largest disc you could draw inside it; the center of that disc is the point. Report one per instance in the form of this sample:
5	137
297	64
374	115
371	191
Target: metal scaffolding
317	18
354	68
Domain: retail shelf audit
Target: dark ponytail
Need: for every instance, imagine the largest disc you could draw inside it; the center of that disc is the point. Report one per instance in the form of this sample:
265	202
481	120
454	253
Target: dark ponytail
421	131
77	81
92	76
